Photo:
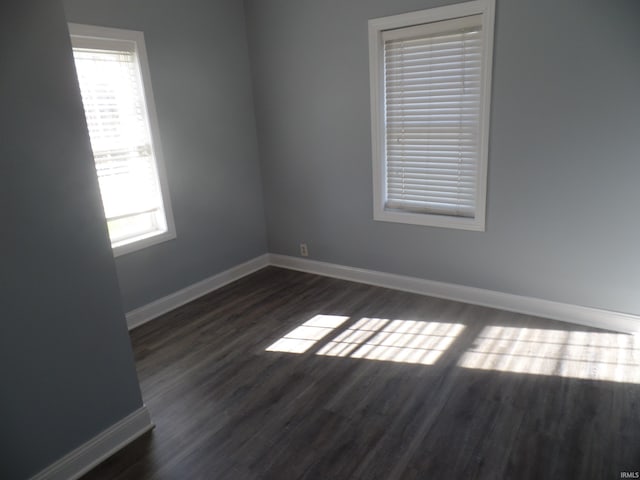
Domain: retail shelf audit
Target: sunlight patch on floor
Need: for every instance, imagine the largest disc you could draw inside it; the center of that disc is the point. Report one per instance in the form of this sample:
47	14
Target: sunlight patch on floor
300	339
573	354
408	341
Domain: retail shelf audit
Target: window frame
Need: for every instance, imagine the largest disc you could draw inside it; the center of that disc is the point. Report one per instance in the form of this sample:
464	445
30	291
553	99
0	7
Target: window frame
485	8
115	38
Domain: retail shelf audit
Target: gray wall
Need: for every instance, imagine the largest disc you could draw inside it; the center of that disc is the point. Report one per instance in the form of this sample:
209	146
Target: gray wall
563	195
200	74
65	358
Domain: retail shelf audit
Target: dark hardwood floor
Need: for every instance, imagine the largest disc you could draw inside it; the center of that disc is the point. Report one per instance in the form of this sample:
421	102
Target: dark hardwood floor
285	375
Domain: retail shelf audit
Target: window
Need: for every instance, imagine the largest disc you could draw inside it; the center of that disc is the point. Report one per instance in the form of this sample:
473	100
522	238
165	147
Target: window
116	92
430	96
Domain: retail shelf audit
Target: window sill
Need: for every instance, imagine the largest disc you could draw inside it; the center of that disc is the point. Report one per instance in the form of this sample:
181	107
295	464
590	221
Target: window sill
429	220
142	242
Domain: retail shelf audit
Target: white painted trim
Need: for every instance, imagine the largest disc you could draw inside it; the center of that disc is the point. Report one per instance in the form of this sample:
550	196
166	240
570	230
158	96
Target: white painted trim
174	300
565	312
576	314
79	461
377	26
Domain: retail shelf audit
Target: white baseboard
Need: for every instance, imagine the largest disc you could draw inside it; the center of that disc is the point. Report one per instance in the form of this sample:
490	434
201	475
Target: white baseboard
576	314
79	461
163	305
565	312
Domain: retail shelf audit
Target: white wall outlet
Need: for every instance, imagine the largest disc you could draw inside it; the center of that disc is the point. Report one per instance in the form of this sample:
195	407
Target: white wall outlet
304	251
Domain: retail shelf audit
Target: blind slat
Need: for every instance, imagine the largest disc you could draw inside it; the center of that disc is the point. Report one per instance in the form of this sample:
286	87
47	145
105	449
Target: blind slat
432	113
434	208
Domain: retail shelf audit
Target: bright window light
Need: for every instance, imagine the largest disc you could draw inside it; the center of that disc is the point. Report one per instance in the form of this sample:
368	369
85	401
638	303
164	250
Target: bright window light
407	341
302	338
113	77
564	353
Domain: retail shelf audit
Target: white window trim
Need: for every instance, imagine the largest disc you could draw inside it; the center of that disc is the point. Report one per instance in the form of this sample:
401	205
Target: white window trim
486	8
116	36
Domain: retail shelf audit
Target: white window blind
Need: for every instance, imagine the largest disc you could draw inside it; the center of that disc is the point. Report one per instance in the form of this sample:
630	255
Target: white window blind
432	76
115	107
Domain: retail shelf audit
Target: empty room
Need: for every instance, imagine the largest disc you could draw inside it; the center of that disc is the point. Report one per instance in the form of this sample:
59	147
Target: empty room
320	239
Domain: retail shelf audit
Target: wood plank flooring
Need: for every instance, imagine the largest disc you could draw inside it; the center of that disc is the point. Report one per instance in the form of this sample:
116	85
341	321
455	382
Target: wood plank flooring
390	385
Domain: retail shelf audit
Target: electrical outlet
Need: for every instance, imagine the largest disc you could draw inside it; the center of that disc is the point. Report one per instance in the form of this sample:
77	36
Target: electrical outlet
304	251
